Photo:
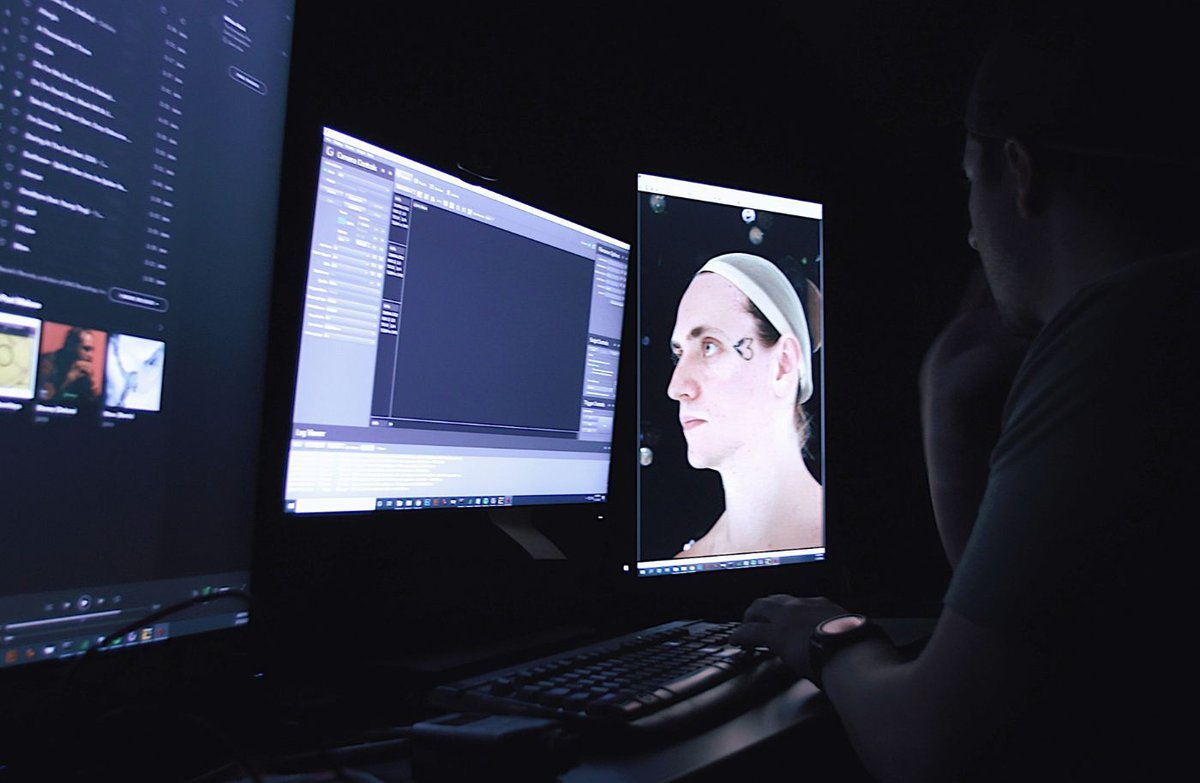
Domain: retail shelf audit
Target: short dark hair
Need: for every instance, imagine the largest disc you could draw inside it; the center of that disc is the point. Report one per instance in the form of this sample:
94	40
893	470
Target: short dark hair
1100	101
1116	83
1155	199
65	357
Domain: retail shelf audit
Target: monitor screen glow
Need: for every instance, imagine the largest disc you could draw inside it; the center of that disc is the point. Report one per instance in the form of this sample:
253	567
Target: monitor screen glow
138	199
458	348
730	394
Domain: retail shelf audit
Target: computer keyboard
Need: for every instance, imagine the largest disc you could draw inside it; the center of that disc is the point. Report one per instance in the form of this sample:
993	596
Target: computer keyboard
668	677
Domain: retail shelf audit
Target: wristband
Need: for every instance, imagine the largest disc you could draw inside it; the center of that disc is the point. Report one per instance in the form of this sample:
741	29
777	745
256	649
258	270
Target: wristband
834	633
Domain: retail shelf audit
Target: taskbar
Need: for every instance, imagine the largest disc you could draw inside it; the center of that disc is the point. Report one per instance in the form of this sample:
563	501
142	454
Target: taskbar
726	562
354	504
66	623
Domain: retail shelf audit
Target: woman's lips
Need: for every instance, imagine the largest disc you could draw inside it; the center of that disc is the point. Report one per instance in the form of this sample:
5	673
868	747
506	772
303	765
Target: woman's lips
690	423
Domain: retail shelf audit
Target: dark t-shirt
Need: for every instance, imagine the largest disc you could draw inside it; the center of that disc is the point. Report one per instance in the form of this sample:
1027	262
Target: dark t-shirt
1083	545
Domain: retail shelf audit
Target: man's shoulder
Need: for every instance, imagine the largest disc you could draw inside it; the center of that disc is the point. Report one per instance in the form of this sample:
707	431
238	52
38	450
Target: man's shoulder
1149	308
1109	386
1158	287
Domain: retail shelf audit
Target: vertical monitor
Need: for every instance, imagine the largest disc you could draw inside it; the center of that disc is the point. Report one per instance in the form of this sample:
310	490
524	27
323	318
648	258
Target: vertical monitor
729	378
458	348
141	148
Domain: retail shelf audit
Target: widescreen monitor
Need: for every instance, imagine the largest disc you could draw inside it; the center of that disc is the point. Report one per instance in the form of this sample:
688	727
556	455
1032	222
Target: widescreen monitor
731	471
458	348
141	160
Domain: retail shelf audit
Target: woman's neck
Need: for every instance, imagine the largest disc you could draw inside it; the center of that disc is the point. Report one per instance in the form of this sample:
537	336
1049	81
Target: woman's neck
771	498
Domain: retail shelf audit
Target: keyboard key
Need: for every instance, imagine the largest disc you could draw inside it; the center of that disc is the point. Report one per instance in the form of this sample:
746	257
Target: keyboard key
616	708
502	686
697	681
553	697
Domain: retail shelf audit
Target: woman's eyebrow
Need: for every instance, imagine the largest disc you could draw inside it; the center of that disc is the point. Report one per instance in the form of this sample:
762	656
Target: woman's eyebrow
703	329
699	331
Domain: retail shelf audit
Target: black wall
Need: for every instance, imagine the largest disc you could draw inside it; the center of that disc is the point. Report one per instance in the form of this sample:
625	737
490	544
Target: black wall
854	104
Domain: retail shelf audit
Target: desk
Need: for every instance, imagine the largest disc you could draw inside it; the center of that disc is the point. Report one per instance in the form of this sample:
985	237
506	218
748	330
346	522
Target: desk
794	732
795	728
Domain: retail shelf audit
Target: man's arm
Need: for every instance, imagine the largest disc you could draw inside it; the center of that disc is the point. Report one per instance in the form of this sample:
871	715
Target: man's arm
935	717
928	719
964	382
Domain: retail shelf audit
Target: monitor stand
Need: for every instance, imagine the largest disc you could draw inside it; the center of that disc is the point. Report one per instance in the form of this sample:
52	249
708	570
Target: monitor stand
517	522
444	664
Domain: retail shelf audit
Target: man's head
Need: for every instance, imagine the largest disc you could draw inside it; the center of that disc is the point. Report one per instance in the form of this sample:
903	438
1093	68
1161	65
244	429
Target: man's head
87	345
1080	143
736	381
1109	84
79	345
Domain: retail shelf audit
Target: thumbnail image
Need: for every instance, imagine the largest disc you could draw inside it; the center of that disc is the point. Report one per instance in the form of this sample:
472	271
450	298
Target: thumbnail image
71	366
135	373
18	355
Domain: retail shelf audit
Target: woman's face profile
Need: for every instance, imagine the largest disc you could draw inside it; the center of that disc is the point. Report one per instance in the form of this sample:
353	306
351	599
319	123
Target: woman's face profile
723	372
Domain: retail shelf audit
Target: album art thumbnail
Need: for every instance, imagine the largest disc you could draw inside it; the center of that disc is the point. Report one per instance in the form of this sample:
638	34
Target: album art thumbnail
18	355
71	366
135	373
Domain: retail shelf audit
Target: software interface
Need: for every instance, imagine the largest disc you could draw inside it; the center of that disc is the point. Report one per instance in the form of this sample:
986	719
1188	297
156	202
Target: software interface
730	408
458	348
141	155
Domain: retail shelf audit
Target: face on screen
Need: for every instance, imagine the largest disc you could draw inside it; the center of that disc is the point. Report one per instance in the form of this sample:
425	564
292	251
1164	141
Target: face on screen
723	379
727	466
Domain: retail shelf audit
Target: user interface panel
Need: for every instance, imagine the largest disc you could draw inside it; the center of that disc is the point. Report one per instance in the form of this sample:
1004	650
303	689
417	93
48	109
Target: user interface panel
141	160
458	348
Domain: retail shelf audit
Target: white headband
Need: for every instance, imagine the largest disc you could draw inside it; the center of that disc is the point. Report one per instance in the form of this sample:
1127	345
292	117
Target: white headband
773	294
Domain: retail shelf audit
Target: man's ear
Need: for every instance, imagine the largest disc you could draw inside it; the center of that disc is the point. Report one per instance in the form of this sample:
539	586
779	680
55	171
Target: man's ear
1021	166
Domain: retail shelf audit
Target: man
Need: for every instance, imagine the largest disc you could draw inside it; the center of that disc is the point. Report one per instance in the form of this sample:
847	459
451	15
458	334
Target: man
68	374
1058	653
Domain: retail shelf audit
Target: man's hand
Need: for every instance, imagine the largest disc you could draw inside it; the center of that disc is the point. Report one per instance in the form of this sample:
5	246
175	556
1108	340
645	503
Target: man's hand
82	368
964	383
782	624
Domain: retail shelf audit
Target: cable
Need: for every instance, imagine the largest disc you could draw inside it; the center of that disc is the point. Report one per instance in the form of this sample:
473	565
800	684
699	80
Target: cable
477	174
55	707
153	617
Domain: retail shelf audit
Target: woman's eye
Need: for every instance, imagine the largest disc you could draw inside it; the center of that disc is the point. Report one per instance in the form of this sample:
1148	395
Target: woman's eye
709	348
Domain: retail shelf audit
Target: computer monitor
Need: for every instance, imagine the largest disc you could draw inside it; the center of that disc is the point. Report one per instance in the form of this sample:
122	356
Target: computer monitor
731	469
141	160
458	348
